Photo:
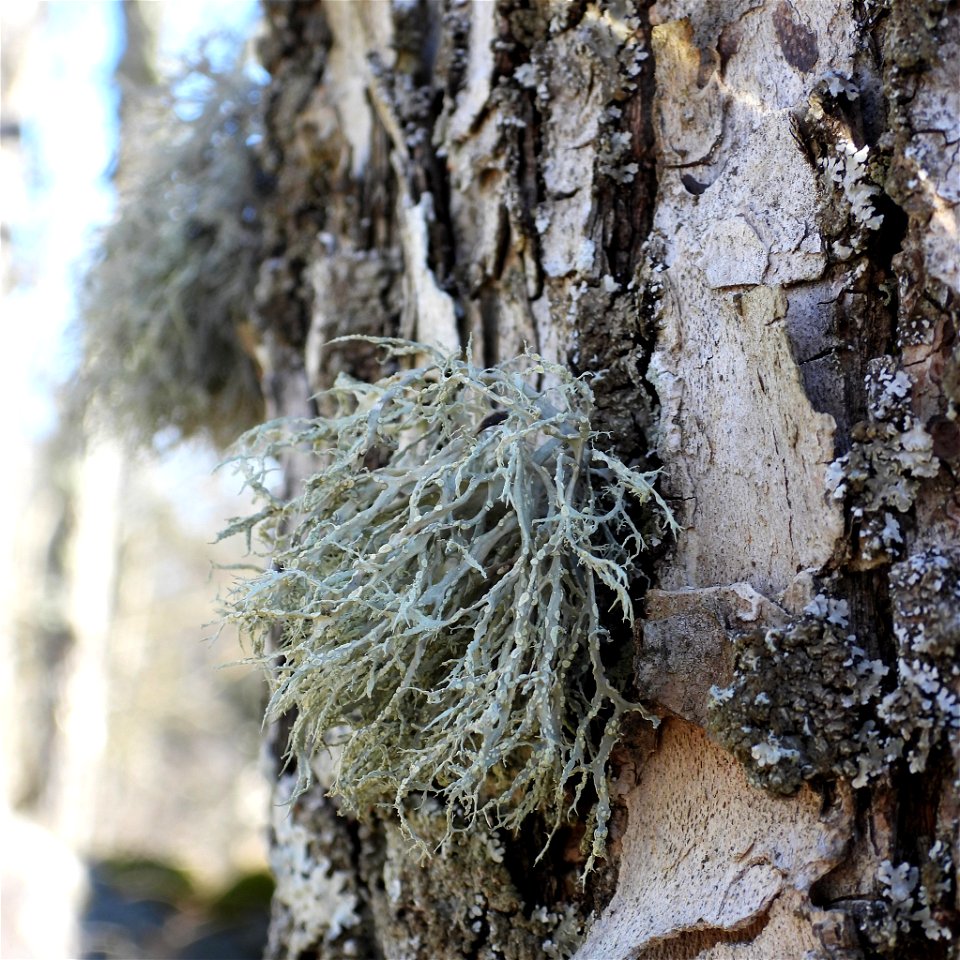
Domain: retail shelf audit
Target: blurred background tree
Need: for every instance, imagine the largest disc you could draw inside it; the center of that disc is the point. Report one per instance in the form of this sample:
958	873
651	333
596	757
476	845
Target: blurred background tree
135	812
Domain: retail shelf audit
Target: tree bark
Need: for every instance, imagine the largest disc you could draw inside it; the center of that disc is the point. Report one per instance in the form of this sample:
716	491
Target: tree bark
744	214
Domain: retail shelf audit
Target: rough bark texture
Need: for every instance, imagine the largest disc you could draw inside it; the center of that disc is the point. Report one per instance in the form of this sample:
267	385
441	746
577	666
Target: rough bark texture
744	212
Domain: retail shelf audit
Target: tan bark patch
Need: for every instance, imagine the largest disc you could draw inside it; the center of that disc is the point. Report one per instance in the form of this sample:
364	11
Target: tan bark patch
743	447
706	851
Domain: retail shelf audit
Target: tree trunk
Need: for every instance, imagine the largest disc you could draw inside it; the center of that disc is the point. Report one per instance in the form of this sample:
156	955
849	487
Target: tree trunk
744	213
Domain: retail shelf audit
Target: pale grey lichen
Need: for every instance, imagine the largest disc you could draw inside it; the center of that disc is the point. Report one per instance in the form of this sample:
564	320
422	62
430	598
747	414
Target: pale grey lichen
615	152
166	324
889	458
851	173
440	587
836	83
806	700
801	700
909	898
319	902
847	171
924	711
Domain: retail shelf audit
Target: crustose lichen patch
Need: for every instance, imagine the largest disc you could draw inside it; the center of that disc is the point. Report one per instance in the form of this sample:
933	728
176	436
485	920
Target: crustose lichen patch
440	587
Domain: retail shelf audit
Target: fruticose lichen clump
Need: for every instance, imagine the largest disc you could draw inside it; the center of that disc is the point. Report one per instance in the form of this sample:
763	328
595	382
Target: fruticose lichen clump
439	588
167	326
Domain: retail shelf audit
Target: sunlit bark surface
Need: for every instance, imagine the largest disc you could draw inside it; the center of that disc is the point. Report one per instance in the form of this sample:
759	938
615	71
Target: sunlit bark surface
743	212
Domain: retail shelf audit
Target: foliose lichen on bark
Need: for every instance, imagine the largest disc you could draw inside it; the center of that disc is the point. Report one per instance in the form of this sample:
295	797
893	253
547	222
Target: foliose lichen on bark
924	709
319	901
910	900
807	702
850	169
891	454
798	707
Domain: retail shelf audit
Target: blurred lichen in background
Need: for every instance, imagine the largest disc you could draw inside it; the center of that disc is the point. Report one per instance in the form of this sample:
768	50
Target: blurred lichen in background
166	328
128	756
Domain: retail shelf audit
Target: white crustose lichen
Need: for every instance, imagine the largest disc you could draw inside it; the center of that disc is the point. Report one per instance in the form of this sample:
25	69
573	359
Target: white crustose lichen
438	588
